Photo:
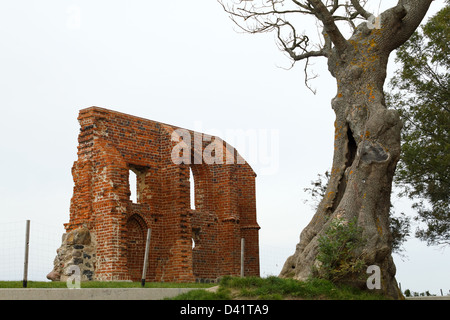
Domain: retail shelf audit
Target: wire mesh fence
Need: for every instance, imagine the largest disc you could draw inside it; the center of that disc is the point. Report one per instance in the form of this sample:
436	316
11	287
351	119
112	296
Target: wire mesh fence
43	242
45	239
272	259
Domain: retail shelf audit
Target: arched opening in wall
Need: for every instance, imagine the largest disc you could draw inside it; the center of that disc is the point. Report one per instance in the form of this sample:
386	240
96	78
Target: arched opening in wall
133	186
192	188
195	237
202	197
136	179
135	246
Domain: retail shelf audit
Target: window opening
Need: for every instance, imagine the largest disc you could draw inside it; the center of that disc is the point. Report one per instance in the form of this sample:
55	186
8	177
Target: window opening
192	188
133	186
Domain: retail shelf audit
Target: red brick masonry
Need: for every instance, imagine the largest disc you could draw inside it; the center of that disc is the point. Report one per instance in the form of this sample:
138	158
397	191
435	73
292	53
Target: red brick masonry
113	143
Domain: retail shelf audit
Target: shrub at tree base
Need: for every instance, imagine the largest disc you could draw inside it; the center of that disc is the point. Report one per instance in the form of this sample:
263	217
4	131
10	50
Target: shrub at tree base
338	256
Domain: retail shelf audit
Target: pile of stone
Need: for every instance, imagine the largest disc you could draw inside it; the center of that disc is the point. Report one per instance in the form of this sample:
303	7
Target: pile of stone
75	256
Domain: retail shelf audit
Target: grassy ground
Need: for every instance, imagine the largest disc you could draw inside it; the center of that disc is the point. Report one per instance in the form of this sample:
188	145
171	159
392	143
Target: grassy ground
274	288
229	288
101	284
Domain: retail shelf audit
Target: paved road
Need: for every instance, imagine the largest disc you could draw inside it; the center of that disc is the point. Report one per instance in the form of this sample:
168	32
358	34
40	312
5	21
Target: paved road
92	293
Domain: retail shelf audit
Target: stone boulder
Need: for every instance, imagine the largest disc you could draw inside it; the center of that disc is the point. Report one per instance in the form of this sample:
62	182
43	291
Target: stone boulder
77	249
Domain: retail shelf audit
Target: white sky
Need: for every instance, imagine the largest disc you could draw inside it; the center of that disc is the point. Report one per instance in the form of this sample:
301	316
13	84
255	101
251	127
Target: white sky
178	62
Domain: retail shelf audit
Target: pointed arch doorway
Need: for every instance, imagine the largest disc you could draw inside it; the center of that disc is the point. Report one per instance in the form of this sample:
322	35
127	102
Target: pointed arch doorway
135	246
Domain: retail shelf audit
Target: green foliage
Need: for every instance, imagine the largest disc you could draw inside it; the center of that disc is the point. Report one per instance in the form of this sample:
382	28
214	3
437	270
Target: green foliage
221	294
421	95
337	250
408	294
400	226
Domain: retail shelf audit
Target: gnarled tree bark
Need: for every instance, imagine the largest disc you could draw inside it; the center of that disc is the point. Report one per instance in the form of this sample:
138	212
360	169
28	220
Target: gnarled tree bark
367	134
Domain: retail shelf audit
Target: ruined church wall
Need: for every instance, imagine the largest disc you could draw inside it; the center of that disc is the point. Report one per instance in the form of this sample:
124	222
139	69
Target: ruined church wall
110	145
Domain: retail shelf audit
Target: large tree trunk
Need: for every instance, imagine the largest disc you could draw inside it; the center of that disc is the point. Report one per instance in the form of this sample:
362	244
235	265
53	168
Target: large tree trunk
366	151
367	136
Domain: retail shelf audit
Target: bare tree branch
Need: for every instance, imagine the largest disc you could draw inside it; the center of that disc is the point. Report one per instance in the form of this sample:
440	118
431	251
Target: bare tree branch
322	13
260	16
360	9
411	13
308	78
272	15
296	42
400	22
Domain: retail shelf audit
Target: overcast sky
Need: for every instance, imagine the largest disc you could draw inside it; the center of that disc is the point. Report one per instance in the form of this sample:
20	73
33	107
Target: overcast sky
178	62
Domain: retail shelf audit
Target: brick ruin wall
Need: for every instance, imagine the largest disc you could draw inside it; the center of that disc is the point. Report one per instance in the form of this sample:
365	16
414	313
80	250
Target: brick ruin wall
111	144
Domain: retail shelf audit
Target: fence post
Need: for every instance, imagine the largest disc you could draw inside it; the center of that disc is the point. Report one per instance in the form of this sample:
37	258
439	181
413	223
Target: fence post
242	256
25	264
147	249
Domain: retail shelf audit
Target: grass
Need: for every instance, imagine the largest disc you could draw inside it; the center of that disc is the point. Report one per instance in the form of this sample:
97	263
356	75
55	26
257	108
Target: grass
230	288
104	284
274	288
